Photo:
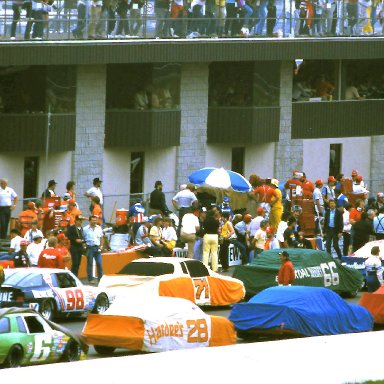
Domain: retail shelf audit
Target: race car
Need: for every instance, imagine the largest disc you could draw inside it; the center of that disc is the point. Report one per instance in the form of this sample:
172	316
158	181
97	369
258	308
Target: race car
374	302
52	292
26	338
312	268
298	311
155	324
175	277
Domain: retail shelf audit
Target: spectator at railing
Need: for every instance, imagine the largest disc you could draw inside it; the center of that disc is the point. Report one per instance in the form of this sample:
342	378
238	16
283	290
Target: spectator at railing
352	17
162	14
135	21
38	20
78	32
122	24
17	5
94	18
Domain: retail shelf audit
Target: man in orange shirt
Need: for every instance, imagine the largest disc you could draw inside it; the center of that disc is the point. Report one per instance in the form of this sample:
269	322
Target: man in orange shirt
26	218
51	257
72	211
307	185
286	274
264	195
96	209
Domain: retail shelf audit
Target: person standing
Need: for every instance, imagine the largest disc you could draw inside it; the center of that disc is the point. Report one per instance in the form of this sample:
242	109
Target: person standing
51	257
77	244
276	205
286	275
50	191
8	202
95	190
378	224
211	240
333	228
226	233
319	204
157	200
374	270
94	238
137	211
21	259
189	227
183	201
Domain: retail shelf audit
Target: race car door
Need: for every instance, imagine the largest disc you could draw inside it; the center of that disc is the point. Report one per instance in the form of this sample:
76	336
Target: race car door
70	296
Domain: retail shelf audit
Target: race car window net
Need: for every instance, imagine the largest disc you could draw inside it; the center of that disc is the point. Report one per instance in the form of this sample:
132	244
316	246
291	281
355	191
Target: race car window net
196	268
21	324
147	269
34	325
24	281
4	325
63	280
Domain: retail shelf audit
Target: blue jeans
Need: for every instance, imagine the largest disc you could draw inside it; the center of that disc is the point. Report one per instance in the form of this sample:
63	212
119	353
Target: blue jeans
93	252
263	11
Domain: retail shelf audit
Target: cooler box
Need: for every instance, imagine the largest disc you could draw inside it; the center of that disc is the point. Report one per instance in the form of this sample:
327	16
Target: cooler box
121	216
7	263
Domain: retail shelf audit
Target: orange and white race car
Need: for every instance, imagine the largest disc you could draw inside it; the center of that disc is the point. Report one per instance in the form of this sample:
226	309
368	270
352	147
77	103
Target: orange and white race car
174	277
156	324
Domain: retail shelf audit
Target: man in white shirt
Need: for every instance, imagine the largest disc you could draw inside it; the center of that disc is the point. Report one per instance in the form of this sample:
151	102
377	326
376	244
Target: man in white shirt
189	226
319	203
94	238
15	241
33	232
95	190
8	202
255	222
34	249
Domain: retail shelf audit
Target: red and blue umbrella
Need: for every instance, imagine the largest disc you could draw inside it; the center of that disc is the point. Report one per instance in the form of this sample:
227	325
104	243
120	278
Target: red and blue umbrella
220	178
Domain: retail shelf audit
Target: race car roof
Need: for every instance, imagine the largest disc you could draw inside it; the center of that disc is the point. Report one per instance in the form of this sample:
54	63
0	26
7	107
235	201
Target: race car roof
35	270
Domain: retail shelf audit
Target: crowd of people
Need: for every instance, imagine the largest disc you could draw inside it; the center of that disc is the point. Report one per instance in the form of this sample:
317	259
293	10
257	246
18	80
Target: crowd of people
204	226
200	18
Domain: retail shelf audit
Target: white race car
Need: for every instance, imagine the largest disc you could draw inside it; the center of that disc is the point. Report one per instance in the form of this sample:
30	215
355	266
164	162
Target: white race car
174	277
52	292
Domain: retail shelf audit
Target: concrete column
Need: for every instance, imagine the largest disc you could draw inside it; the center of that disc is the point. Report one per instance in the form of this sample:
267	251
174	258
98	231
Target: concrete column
87	161
288	152
191	154
377	164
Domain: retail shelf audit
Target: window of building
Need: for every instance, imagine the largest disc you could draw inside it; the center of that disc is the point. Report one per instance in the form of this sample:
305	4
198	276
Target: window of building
237	164
315	81
143	86
335	154
137	172
31	172
363	80
22	89
244	84
61	89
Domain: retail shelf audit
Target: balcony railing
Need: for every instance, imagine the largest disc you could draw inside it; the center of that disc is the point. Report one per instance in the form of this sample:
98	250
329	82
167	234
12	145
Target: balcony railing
57	22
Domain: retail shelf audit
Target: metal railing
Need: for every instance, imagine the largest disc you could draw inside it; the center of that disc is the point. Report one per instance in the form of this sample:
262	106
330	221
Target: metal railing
60	23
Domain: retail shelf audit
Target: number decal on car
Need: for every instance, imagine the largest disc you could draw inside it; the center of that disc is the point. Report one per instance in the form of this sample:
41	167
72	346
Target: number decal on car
75	299
201	285
42	347
198	332
331	276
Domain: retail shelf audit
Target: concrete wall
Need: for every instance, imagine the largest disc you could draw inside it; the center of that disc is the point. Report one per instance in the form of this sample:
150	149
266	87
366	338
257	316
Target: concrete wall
191	154
377	163
316	156
259	160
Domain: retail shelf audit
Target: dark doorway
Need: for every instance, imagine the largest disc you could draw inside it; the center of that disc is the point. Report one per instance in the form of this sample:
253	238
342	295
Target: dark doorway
137	172
31	175
238	160
335	152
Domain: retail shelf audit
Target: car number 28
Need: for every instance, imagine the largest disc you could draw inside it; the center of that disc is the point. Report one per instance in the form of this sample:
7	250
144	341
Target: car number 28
75	299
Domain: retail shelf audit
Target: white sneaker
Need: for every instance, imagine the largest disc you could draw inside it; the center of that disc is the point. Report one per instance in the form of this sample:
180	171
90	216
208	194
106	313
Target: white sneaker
37	38
119	36
128	36
111	36
13	38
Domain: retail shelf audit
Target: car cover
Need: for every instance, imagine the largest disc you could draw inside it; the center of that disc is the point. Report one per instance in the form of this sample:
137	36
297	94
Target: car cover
374	302
309	311
312	268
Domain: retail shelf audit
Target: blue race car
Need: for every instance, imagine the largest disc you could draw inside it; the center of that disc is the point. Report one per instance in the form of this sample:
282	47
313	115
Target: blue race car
298	311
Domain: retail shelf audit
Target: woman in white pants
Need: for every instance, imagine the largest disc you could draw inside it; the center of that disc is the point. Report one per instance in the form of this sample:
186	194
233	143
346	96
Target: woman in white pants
211	240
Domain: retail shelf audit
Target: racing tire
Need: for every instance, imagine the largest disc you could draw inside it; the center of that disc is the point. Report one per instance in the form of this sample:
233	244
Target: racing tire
72	352
15	357
47	309
101	304
104	350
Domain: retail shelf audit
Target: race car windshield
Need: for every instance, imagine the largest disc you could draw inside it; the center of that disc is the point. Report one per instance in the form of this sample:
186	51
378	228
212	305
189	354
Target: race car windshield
22	280
147	269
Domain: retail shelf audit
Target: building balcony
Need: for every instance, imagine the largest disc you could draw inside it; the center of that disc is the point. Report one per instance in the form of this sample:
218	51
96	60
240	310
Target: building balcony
28	132
243	125
135	129
349	118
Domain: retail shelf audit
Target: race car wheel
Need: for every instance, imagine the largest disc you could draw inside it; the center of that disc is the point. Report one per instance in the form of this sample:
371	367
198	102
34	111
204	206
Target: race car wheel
72	352
47	309
101	304
15	357
103	350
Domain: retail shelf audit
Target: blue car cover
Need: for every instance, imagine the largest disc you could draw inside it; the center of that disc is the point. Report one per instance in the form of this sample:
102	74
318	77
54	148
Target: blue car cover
309	311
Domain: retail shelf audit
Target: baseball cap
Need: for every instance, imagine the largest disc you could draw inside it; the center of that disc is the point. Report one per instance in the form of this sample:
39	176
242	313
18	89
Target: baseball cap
37	237
275	182
331	178
284	253
138	200
52	182
225	199
260	210
31	205
71	201
61	236
269	229
319	182
97	180
66	196
354	173
247	217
